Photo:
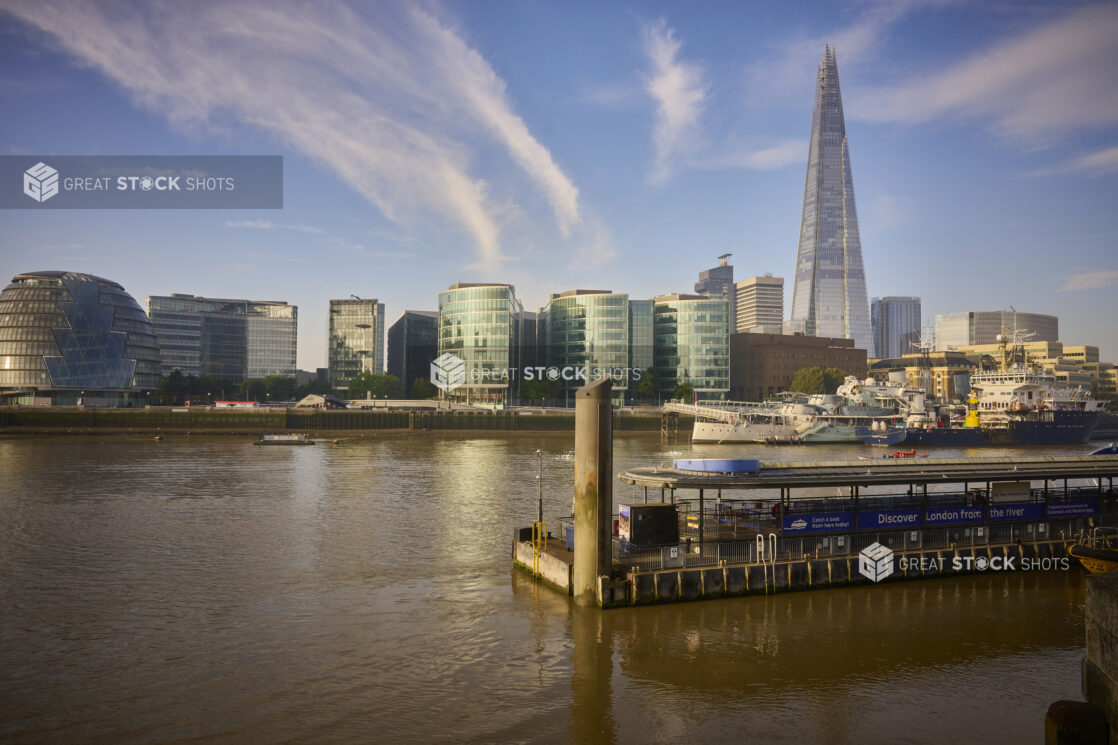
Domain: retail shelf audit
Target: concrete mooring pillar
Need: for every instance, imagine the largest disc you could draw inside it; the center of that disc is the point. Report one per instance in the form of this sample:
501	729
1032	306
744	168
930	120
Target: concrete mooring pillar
593	488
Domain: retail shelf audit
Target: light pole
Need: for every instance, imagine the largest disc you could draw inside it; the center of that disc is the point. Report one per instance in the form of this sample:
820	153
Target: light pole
539	486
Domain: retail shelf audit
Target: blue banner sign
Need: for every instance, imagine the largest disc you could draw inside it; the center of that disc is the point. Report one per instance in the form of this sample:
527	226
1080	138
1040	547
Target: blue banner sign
818	522
1026	511
888	519
1078	508
954	515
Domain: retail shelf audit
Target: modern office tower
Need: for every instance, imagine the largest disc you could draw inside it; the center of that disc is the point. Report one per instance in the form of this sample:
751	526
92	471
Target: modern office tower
593	331
68	338
356	341
896	325
762	364
480	325
230	339
271	339
829	290
533	340
718	282
642	341
759	303
413	344
955	330
691	344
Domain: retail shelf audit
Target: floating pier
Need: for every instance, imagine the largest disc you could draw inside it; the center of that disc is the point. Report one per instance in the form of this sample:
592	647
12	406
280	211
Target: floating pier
748	527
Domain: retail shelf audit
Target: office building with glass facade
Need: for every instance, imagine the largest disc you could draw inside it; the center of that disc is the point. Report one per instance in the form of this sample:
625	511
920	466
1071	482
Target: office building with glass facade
356	340
598	332
271	339
69	338
896	325
691	344
413	344
954	330
226	338
480	324
829	289
760	303
718	282
642	341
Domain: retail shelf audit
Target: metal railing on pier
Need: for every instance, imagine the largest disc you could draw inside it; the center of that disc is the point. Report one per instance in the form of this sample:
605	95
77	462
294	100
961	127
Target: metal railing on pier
692	554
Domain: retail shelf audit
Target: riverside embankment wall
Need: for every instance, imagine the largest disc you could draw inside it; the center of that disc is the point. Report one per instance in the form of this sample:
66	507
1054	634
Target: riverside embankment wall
217	421
1100	666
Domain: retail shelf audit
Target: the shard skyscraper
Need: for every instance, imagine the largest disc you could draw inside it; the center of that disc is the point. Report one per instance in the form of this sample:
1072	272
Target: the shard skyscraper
829	292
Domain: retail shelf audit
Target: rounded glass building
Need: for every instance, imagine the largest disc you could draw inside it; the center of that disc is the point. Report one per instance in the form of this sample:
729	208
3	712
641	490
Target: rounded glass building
480	324
67	336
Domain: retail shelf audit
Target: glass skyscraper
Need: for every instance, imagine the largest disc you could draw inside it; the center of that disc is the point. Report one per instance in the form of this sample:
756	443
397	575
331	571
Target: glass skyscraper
829	290
356	342
896	325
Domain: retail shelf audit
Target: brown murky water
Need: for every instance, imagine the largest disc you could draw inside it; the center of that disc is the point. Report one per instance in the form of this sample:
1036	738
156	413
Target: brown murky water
203	590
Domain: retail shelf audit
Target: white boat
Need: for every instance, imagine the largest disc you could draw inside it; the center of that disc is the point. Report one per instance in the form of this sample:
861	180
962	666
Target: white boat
856	413
284	439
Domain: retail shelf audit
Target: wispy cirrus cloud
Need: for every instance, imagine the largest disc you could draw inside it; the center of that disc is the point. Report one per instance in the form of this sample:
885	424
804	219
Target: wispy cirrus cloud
679	90
1090	280
314	230
1097	163
1057	77
770	158
786	69
1100	161
393	103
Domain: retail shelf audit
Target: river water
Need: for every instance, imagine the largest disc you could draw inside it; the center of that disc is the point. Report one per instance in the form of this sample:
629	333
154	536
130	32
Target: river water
202	590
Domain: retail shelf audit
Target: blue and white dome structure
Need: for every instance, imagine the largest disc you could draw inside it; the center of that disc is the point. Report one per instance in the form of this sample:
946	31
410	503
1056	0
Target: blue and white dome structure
69	336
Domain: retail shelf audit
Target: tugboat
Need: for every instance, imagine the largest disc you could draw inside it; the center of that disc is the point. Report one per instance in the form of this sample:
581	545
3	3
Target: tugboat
1016	404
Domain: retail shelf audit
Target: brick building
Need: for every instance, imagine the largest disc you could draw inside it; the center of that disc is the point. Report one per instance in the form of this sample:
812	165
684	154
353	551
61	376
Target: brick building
762	365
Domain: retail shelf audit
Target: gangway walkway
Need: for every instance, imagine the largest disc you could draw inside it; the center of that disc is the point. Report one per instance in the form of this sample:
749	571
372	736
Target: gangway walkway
730	413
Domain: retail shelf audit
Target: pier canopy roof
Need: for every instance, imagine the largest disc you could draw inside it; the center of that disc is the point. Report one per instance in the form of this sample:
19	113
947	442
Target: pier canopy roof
805	474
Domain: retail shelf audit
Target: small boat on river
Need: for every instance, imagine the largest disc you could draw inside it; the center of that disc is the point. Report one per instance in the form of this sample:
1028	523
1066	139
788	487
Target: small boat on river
1097	551
285	439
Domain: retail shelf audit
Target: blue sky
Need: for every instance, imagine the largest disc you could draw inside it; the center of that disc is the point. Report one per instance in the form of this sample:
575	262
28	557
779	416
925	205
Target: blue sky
558	145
